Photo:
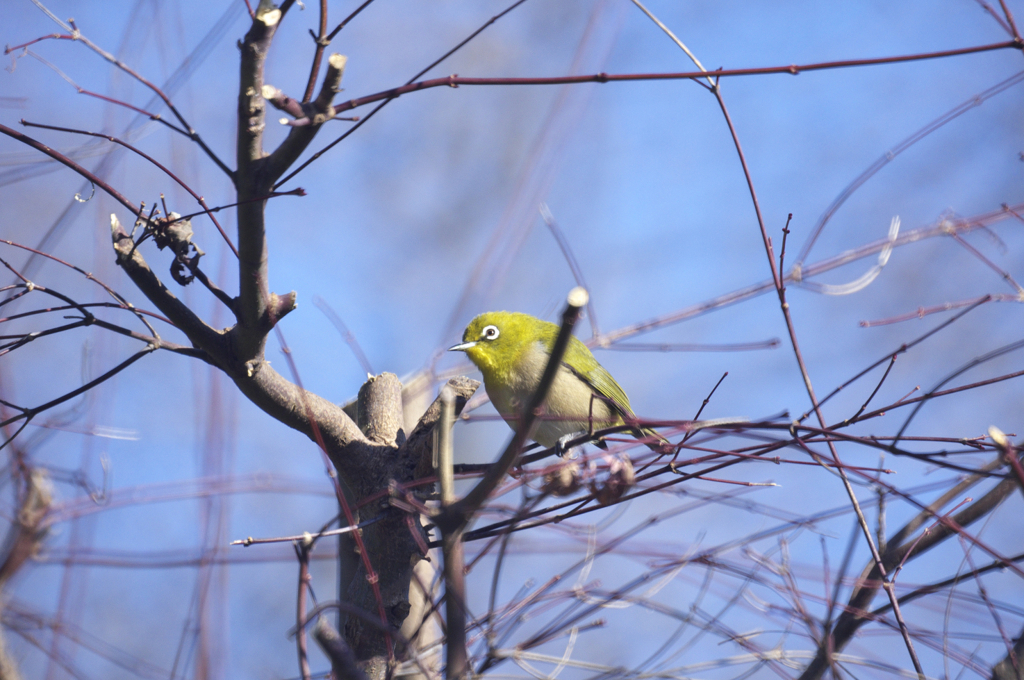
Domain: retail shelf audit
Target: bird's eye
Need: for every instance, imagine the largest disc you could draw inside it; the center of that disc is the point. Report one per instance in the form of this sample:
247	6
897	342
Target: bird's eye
490	333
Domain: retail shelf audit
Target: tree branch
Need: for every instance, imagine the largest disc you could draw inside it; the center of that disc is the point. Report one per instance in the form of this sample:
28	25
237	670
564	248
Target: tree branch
343	662
135	266
792	69
419	447
900	549
61	158
319	111
260	383
253	290
379	408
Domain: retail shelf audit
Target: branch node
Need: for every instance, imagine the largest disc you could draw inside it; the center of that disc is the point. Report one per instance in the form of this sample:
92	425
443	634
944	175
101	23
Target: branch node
268	17
279	306
252	367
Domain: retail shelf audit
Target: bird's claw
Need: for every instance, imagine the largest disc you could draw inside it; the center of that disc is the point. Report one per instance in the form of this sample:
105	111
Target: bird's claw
562	445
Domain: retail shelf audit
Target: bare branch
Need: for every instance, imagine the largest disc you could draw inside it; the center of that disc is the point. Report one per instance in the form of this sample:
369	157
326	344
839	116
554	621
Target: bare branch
855	614
419	447
343	662
193	135
57	156
110	138
319	111
794	69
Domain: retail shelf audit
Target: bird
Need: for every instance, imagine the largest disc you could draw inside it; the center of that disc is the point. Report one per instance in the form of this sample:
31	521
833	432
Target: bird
512	349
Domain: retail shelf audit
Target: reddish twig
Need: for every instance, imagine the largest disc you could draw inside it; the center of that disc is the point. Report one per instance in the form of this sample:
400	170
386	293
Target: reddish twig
910	551
110	100
1009	20
791	330
926	311
988	356
321	44
57	156
302	552
995	15
871	396
690	347
456	81
1003	274
192	134
52	36
110	138
387	99
901	350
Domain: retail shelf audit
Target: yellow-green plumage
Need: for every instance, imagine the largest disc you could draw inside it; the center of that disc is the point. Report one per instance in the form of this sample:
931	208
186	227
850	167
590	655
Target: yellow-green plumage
511	350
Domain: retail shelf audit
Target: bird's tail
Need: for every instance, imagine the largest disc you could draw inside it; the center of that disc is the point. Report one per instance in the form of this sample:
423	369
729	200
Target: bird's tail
654	440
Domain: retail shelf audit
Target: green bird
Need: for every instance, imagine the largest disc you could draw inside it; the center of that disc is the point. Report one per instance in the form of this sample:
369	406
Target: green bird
511	349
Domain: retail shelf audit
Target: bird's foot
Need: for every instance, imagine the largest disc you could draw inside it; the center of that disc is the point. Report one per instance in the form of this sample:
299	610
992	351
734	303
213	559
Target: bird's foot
562	447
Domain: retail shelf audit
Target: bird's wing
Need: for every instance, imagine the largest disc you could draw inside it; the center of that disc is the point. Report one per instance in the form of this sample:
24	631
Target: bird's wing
584	366
602	383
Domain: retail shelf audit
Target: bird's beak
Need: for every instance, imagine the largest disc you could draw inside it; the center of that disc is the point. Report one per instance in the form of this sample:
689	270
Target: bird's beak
462	348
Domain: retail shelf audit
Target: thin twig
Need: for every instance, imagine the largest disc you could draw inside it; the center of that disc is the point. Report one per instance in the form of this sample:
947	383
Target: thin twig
57	156
318	54
574	266
387	99
456	81
192	134
110	138
302	552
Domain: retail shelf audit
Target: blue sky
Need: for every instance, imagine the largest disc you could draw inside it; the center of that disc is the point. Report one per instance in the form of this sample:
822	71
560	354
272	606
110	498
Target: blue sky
643	180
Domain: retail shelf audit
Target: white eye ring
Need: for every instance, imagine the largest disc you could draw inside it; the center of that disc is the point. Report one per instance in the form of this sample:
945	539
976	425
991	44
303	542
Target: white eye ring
490	333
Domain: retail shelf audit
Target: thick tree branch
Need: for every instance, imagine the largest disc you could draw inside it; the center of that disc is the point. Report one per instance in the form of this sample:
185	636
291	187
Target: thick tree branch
419	447
135	266
343	662
1012	665
260	383
379	409
253	290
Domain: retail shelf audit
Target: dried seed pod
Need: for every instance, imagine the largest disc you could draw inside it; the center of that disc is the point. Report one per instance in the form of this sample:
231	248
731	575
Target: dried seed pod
620	479
563	480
